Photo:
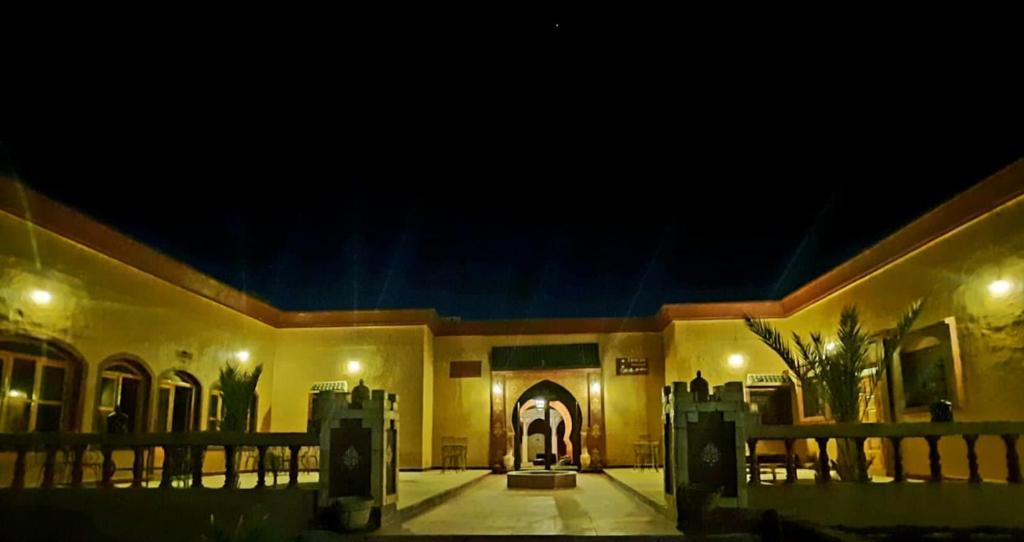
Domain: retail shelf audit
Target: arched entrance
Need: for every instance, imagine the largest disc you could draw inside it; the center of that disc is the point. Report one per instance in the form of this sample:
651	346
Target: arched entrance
178	402
40	384
542	409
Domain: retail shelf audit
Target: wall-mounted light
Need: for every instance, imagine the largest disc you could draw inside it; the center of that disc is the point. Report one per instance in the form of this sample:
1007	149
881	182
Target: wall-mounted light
353	366
595	387
830	346
539	402
40	297
16	394
242	356
1000	288
497	388
736	361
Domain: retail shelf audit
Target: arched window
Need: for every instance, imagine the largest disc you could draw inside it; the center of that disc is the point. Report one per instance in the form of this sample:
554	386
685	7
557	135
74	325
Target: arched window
215	414
38	386
178	402
124	384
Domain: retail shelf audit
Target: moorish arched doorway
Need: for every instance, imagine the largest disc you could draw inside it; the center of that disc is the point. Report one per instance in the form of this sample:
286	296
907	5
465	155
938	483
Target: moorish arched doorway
552	405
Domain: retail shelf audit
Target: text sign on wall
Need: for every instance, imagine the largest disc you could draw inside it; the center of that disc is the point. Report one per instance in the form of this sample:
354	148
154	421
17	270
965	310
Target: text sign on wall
630	366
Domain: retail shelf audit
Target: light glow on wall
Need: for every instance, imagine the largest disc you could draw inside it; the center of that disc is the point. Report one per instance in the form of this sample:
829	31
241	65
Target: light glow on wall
1000	288
595	387
736	361
353	366
242	355
40	297
830	346
497	389
16	393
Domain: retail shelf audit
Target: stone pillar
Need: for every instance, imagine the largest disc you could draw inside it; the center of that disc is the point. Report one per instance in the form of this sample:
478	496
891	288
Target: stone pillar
359	450
709	442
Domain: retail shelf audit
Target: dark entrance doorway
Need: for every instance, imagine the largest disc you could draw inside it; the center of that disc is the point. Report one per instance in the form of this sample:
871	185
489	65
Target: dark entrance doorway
548	411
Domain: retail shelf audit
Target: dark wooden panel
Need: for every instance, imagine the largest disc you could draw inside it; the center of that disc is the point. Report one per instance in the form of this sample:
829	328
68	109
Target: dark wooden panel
464	369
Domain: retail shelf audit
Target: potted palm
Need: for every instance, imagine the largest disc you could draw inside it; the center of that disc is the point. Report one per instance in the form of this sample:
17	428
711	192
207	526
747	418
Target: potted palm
841	370
237	388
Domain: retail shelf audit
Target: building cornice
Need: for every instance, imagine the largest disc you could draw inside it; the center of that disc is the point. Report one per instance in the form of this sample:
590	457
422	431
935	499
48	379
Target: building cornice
988	195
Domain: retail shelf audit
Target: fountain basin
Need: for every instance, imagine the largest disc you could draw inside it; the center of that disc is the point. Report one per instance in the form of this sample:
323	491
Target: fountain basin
541	479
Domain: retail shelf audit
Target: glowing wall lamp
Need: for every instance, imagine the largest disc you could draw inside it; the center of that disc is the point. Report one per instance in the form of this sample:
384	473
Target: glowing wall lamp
497	388
40	297
353	366
830	346
242	356
1000	288
539	402
736	361
595	387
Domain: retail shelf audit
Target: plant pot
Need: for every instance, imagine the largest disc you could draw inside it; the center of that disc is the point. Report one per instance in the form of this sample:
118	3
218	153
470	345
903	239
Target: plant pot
353	513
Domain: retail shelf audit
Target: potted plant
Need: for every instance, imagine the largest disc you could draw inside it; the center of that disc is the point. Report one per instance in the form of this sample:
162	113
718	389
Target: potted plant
840	368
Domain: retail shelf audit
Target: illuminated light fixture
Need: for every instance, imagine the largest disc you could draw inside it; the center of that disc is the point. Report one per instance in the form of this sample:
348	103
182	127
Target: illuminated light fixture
497	388
353	366
40	297
830	346
242	355
540	403
595	387
736	361
999	288
16	393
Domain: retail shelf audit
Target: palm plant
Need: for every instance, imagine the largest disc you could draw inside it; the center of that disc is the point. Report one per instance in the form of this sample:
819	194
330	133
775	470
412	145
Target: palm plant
840	371
237	387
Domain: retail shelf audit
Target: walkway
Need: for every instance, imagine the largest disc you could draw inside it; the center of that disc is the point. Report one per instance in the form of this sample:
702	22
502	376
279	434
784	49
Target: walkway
595	507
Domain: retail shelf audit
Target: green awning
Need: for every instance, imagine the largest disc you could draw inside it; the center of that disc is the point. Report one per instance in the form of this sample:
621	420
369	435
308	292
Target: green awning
547	356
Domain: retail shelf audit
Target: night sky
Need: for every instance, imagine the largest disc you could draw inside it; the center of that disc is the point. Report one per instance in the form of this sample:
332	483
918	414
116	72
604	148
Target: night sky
520	170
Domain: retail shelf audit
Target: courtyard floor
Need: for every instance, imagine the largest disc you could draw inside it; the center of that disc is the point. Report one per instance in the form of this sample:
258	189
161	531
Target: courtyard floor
595	507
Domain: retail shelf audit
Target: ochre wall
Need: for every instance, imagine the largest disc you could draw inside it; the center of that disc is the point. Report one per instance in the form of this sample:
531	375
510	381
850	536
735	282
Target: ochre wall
632	403
953	273
392	358
103	308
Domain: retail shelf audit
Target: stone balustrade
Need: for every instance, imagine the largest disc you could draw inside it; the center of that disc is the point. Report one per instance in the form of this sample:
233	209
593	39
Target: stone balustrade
173	445
895	433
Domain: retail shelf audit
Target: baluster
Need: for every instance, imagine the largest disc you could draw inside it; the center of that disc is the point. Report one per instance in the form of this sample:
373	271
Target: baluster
293	466
78	452
862	460
790	462
824	467
897	459
972	459
108	467
755	467
261	467
934	460
167	469
230	472
137	465
49	465
1012	459
19	469
198	455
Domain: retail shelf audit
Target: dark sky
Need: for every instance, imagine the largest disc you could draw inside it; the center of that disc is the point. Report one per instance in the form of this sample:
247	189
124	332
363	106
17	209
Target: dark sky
509	169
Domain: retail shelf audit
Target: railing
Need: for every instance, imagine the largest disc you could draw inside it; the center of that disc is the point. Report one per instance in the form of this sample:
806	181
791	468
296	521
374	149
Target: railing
894	433
174	446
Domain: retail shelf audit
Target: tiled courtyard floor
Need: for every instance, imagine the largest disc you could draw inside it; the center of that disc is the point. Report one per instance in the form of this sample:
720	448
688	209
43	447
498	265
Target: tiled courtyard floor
595	507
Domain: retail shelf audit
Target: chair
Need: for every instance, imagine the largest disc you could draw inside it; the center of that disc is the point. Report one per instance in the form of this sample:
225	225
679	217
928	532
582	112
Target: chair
454	453
645	453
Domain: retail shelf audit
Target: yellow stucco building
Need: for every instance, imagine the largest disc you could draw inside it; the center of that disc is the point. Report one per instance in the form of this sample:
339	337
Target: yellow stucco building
90	318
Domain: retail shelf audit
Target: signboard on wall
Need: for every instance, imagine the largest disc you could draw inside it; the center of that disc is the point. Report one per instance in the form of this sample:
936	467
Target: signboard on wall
631	366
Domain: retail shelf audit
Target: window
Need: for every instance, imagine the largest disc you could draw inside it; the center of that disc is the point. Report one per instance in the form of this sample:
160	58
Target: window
215	415
123	385
36	391
929	367
178	403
